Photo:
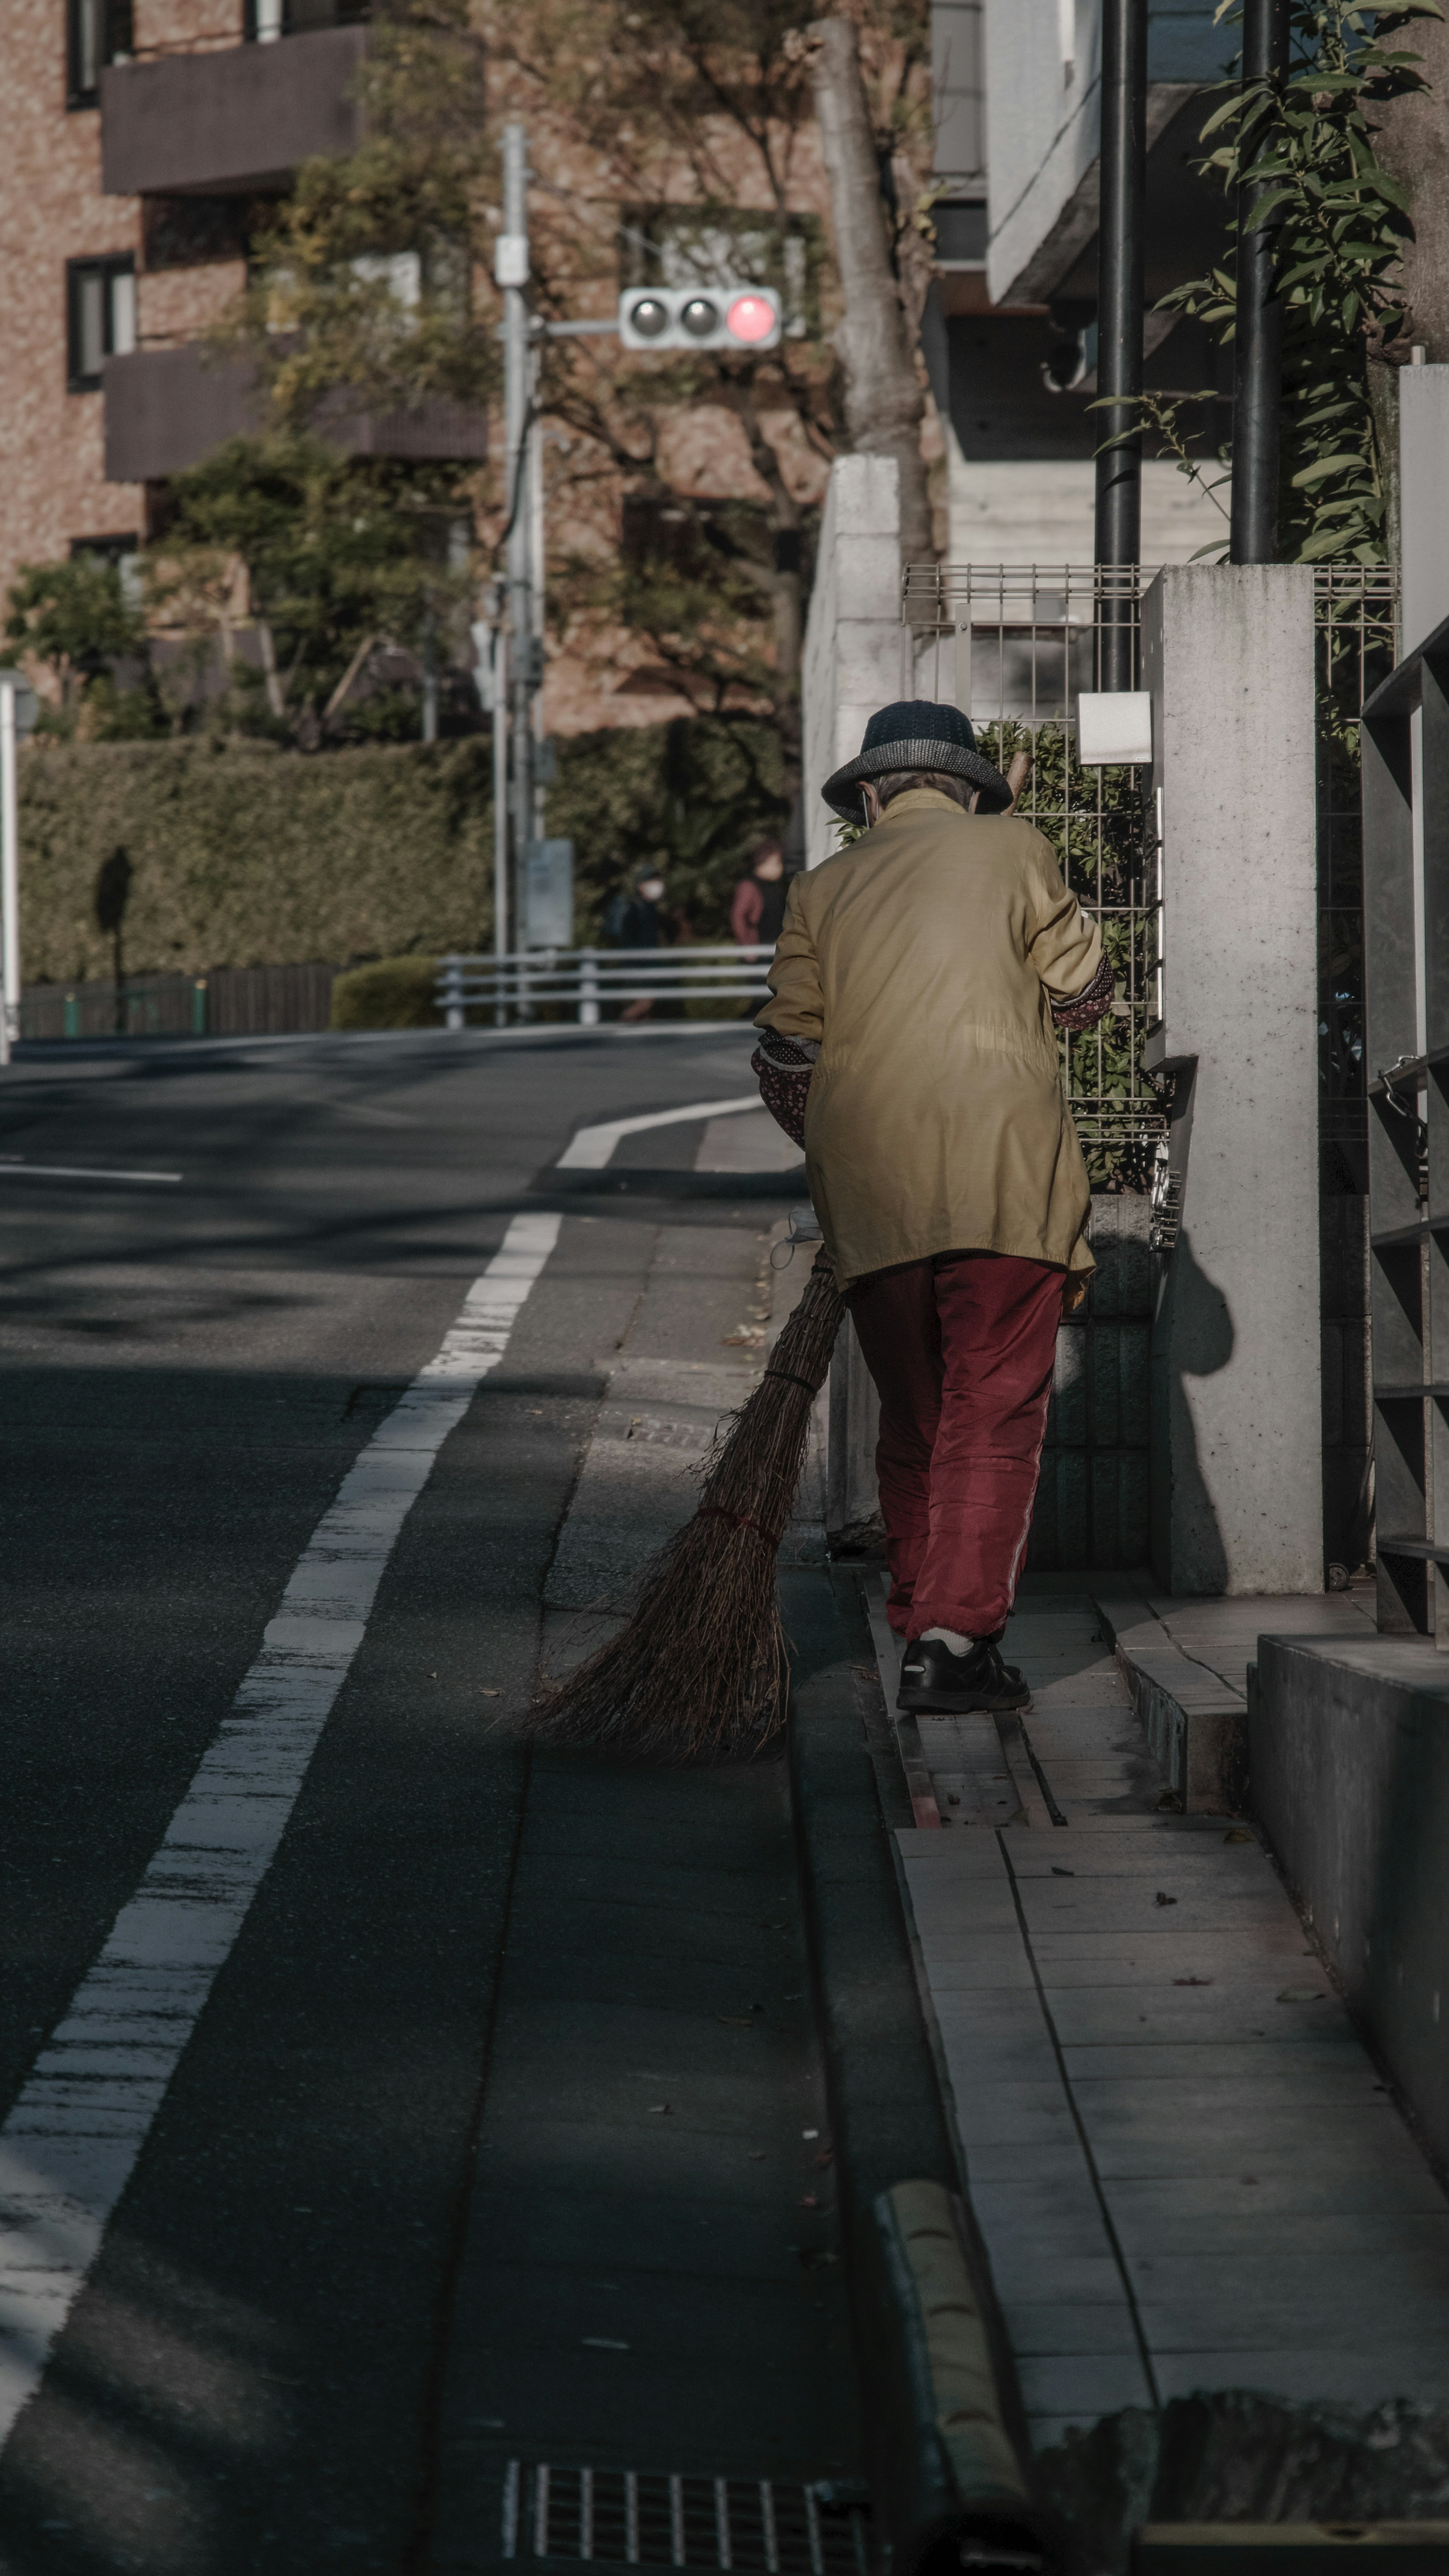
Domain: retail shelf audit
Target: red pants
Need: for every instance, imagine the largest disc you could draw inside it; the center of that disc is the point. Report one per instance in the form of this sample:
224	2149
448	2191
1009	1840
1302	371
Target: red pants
961	1350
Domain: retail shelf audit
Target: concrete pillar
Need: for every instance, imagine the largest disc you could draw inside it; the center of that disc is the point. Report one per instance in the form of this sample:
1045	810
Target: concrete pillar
852	661
1423	519
852	665
1227	652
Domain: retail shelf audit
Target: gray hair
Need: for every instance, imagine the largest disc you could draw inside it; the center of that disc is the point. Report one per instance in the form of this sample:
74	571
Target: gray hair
896	782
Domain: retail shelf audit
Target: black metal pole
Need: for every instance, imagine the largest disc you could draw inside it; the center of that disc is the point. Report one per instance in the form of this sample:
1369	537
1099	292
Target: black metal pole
1258	354
1119	326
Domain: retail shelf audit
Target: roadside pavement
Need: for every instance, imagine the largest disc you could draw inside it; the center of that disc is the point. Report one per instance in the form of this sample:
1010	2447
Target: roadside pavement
1190	2174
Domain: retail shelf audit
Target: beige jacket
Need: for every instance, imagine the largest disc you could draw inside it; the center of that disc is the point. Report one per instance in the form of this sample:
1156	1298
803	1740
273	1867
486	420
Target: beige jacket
922	959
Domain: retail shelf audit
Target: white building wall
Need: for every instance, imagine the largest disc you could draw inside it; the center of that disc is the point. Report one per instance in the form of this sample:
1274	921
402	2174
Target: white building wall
852	660
1044	114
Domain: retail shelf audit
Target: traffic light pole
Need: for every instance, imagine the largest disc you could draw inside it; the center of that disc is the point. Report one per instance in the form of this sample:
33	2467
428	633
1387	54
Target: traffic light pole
1119	323
511	264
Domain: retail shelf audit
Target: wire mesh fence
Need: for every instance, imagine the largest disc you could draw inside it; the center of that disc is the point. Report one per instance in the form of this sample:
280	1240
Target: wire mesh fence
1013	646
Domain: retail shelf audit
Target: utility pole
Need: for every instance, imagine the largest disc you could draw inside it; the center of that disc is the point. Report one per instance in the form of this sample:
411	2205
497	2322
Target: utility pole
11	683
511	268
1119	324
1258	368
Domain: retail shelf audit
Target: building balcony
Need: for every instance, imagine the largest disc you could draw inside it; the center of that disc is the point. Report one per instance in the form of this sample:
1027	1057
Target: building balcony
167	408
229	123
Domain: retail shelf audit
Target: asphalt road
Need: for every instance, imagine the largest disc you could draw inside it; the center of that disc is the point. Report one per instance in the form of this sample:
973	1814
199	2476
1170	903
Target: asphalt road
306	2303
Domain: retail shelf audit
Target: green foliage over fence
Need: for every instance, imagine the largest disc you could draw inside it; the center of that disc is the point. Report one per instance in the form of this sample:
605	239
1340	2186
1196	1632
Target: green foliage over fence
245	856
252	858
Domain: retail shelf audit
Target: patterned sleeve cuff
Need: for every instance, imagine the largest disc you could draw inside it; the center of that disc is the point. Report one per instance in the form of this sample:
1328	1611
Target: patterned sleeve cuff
1086	1008
784	1088
786	1054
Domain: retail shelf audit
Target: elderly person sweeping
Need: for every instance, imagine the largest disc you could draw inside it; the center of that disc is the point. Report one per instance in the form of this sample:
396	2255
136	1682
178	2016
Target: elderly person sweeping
910	1046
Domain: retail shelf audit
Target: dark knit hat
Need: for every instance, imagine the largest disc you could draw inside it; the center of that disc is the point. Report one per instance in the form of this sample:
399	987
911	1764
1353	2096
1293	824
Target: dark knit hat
915	733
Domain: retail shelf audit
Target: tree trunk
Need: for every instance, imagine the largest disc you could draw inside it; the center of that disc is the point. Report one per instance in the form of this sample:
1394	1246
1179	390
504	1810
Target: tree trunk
884	401
1412	141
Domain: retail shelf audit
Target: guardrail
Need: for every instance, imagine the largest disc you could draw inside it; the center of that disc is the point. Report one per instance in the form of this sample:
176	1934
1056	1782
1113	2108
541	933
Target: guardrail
586	978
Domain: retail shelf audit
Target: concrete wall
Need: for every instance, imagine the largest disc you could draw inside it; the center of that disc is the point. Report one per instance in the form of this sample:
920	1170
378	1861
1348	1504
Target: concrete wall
1348	1752
1237	1409
1423	475
852	661
1044	118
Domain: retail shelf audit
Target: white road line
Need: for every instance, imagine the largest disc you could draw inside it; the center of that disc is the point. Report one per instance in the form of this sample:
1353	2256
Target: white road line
10	1171
592	1146
70	2143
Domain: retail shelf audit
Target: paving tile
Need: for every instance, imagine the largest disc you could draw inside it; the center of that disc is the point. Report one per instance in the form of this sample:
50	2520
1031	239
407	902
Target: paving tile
1028	2273
1246	2302
1185	2207
1409	2239
1130	1905
991	1960
1157	1950
1366	2379
1050	2162
986	1906
1194	1860
1232	2007
995	2114
1083	2385
1020	2054
1038	2329
1252	2137
1310	2062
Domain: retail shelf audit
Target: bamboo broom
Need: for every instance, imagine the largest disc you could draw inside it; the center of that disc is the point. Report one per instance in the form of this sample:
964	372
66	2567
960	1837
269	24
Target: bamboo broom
699	1671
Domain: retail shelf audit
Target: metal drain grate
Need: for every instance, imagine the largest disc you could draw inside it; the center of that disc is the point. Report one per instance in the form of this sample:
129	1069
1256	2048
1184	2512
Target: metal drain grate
634	2518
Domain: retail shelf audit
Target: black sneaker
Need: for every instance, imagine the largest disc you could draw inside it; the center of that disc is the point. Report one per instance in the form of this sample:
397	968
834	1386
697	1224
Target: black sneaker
937	1683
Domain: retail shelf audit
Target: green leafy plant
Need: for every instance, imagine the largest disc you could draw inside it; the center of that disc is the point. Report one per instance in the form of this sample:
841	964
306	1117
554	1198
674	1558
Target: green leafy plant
1341	221
1093	819
338	554
79	618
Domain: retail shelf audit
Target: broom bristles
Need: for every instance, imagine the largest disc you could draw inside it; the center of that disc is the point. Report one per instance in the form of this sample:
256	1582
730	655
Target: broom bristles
698	1670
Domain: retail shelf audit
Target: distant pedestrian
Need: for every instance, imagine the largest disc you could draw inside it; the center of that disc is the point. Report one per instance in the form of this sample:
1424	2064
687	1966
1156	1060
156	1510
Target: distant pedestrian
759	905
633	920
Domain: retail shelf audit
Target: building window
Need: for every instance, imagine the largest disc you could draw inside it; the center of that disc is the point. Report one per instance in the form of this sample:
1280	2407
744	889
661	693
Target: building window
267	20
100	316
97	32
121	553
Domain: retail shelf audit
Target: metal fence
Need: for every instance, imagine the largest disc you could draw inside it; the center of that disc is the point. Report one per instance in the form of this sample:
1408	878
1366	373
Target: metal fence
1013	645
587	983
232	1001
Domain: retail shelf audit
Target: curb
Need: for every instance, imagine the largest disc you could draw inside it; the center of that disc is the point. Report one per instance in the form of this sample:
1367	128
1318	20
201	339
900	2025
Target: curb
1197	1725
947	2450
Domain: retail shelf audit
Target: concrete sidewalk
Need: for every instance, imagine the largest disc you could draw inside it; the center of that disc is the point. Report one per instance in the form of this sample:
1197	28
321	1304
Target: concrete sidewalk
1187	1662
1189	2173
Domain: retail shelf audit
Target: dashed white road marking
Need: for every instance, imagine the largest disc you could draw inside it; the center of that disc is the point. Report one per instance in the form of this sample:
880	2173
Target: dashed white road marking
592	1146
12	1169
69	2145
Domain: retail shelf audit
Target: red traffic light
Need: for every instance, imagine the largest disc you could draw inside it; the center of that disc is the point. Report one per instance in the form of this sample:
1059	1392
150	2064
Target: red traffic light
751	318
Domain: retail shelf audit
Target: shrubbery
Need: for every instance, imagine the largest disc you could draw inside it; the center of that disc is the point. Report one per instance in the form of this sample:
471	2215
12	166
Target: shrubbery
245	856
396	993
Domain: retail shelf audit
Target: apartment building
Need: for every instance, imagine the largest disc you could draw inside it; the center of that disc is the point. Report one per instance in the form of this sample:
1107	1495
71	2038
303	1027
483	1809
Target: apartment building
1010	335
137	138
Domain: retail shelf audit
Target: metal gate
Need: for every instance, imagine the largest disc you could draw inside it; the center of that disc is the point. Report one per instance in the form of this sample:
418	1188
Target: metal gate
1013	646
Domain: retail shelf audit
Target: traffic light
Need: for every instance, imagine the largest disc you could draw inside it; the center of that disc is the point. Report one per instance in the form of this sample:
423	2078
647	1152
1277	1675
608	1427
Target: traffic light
699	317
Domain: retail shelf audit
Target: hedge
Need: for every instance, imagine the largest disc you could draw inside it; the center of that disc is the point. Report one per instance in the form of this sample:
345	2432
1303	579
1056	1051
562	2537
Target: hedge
245	857
242	855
